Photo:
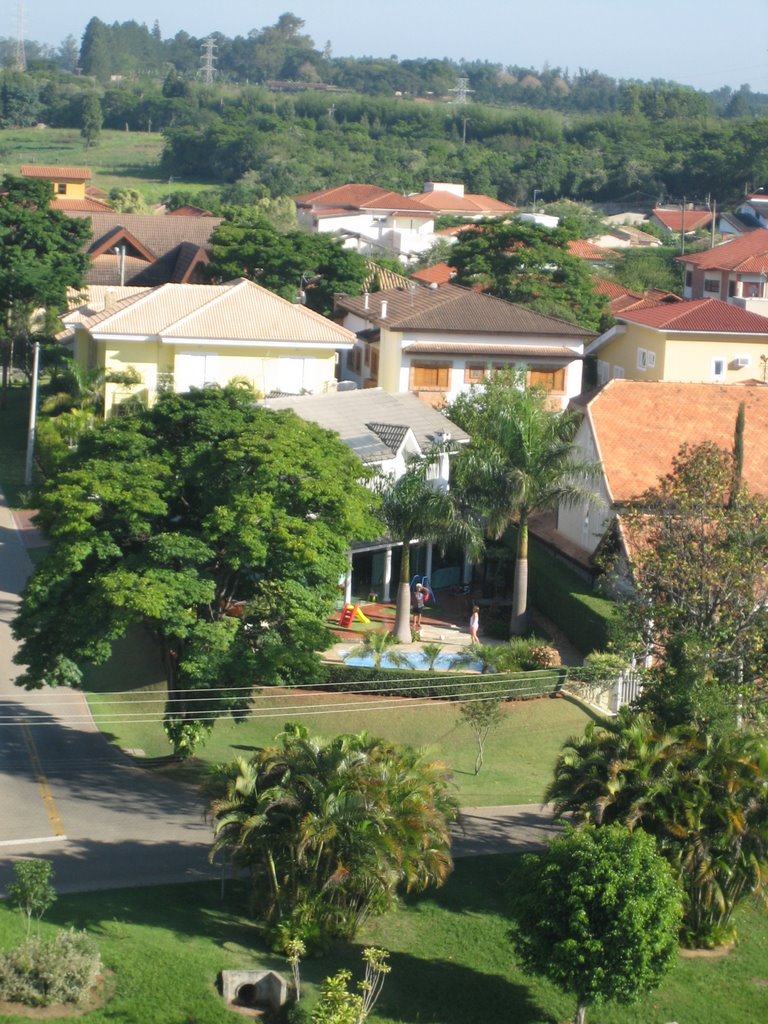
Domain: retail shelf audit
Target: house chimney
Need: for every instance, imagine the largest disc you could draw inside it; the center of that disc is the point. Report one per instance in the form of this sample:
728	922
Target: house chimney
366	300
383	309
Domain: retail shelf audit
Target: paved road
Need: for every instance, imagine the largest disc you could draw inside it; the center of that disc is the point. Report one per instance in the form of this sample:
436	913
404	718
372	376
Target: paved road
67	795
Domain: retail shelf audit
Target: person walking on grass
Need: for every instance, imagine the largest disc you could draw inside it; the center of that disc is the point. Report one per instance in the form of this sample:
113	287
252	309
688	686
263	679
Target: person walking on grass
474	624
418	607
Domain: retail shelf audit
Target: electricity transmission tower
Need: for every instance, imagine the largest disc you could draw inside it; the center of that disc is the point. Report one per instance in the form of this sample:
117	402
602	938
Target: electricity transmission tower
19	54
462	90
207	60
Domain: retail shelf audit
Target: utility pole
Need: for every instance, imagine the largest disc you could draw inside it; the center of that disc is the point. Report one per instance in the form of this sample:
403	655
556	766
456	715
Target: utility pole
32	430
682	230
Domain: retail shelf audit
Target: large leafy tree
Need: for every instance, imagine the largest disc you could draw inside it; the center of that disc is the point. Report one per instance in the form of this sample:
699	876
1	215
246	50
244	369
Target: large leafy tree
521	460
529	264
414	509
41	258
295	264
330	829
702	797
218	526
598	914
699	542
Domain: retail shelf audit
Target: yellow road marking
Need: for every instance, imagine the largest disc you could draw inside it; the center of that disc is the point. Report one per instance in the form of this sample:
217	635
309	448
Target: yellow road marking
42	782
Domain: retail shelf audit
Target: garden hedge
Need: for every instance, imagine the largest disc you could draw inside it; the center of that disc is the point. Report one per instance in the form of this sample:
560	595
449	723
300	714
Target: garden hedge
397	682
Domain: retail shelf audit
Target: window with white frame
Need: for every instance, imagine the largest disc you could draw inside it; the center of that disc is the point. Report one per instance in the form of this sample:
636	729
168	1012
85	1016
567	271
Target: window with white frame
642	359
718	369
712	285
618	373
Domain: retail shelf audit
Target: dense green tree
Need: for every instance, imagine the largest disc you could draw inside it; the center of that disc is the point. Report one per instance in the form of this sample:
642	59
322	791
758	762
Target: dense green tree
218	527
299	266
701	797
41	258
521	460
529	264
701	547
20	105
92	119
331	829
598	914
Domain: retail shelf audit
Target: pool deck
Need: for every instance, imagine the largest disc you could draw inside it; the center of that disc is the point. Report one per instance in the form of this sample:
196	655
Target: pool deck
445	625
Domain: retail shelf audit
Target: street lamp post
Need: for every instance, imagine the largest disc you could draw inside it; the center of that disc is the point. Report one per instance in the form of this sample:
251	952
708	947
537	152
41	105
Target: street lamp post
32	430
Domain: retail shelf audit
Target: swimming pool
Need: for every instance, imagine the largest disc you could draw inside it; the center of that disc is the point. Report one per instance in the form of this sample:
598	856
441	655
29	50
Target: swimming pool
415	660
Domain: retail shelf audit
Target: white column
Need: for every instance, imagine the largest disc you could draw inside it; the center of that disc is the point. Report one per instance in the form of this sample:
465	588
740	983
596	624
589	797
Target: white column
386	593
348	581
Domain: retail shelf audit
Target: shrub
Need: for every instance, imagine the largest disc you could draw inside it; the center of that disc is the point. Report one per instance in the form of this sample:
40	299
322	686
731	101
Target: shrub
589	621
41	972
437	685
544	656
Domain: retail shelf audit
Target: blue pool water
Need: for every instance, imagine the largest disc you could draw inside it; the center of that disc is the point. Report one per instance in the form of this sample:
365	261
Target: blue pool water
415	660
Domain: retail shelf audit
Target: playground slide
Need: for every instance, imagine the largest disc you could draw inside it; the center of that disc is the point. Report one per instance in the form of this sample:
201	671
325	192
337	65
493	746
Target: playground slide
361	616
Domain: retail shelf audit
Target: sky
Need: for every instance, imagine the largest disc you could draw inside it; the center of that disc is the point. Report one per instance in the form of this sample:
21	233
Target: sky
695	42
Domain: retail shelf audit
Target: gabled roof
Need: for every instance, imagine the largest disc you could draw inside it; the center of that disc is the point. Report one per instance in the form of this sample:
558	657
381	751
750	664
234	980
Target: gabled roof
674	220
700	316
639	427
585	250
746	254
621	298
454	309
55	172
372	422
345	198
469	205
439	274
237	312
86	205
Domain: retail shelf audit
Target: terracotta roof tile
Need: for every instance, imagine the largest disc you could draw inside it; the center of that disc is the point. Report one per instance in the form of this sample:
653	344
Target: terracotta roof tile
86	205
438	274
357	197
55	172
748	253
673	219
454	309
470	204
588	251
639	427
707	316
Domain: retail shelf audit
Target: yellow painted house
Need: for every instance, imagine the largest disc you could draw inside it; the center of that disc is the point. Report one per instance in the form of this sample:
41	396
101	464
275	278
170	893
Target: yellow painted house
70	187
701	341
180	336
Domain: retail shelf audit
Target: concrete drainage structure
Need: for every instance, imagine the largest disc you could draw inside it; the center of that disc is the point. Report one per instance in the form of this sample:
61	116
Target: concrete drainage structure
254	990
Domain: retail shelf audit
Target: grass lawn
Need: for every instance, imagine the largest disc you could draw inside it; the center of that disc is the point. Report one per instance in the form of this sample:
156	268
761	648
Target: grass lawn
450	957
119	159
519	755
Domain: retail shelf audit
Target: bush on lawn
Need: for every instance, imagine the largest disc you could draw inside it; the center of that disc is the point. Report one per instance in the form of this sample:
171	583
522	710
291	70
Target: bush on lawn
41	972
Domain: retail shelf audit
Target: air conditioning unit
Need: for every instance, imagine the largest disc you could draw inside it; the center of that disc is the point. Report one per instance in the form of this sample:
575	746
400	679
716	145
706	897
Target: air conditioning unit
740	362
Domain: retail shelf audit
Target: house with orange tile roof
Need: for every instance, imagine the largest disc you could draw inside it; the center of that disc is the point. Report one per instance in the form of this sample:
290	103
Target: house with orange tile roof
677	220
448	199
735	271
374	221
180	336
596	255
438	342
698	341
69	187
634	429
621	298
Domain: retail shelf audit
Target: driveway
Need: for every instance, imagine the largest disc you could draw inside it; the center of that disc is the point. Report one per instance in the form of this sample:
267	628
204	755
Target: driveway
67	795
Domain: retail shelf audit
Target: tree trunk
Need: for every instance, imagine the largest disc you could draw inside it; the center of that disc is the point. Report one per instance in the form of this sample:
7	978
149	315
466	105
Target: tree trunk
581	1013
519	622
402	628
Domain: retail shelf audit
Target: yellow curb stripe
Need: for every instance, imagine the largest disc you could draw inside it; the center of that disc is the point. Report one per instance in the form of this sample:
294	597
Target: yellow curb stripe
42	782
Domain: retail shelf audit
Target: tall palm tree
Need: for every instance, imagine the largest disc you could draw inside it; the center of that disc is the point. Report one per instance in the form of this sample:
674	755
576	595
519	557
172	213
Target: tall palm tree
521	460
415	510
